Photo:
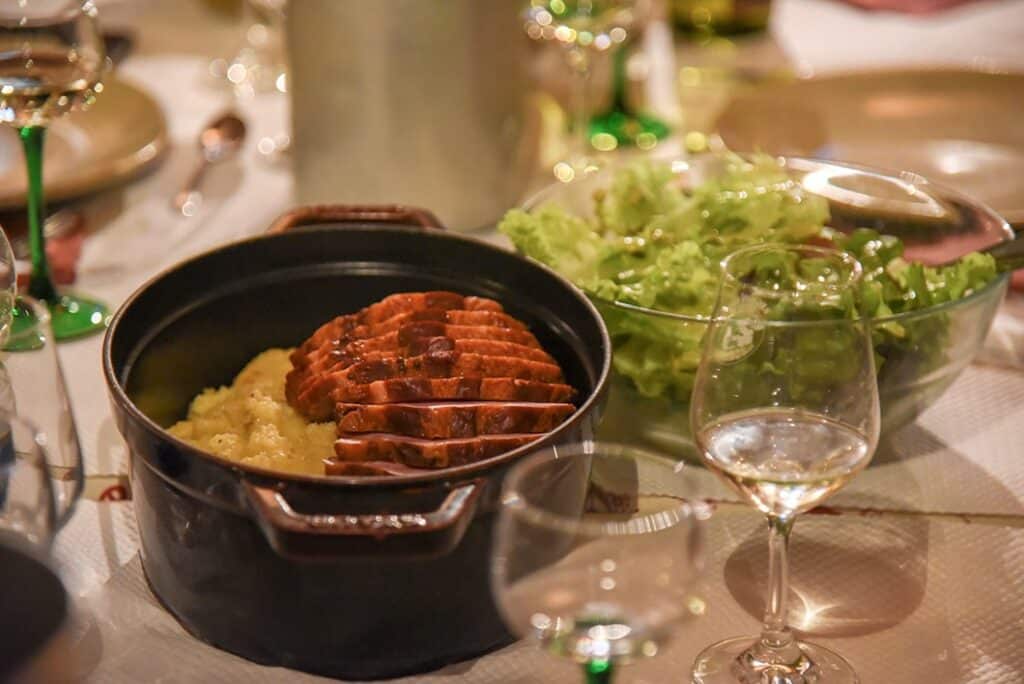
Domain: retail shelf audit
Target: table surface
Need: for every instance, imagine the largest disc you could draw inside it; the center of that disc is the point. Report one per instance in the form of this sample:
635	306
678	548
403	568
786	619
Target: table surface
929	590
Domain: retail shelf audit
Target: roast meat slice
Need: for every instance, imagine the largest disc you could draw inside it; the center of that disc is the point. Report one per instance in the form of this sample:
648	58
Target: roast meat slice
430	389
390	343
424	453
445	420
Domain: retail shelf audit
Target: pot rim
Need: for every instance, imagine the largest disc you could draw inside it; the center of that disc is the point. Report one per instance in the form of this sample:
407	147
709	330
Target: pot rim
121	398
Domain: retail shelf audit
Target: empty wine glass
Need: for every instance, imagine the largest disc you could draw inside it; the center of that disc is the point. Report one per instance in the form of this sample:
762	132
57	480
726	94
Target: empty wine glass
602	588
51	60
785	409
582	27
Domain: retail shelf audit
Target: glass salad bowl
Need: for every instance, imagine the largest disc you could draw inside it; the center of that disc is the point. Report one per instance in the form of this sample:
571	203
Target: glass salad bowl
618	233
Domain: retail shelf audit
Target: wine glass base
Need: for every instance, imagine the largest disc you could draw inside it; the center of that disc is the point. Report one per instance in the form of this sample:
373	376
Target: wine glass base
620	129
732	662
74	316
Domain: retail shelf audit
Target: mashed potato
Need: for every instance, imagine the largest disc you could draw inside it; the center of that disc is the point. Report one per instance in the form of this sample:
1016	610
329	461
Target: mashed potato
252	423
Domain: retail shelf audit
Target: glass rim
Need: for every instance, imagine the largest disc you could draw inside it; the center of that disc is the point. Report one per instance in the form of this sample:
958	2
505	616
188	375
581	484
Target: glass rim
516	502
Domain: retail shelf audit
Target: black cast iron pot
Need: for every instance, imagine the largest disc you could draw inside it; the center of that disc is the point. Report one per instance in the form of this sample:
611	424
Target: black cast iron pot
352	577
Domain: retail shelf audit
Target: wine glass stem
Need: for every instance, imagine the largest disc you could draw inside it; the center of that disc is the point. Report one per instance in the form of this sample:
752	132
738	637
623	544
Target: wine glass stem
579	63
619	80
775	633
40	285
598	672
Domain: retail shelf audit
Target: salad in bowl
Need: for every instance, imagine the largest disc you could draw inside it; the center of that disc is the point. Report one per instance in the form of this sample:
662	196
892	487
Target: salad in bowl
645	241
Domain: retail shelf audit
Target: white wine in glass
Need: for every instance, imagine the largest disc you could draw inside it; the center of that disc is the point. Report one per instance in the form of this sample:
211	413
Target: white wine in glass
784	460
51	61
785	409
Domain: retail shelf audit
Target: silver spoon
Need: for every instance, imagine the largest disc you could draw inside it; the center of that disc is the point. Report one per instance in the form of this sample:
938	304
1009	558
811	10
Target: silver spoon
219	140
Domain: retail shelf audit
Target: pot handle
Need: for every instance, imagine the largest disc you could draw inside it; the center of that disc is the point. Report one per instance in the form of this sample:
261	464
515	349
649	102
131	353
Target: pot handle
396	214
345	535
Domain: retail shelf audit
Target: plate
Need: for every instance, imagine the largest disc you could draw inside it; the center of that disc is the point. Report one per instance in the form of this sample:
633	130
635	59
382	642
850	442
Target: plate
959	128
122	134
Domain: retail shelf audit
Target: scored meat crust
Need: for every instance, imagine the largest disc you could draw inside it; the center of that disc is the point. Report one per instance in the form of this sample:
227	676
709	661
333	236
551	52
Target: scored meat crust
427	380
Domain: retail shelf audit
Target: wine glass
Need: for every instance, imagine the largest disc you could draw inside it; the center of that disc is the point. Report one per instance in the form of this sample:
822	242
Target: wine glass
51	60
582	27
620	125
602	588
785	409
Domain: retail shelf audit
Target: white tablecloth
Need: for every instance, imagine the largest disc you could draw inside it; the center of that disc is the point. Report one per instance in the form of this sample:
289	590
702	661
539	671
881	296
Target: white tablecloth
941	603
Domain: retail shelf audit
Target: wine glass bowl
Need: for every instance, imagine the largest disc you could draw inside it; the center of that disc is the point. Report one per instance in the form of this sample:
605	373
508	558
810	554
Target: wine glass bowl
601	588
785	409
597	24
51	60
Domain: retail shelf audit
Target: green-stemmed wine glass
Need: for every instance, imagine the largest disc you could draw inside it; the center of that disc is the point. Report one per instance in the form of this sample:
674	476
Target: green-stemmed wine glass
785	409
596	549
620	125
582	27
51	61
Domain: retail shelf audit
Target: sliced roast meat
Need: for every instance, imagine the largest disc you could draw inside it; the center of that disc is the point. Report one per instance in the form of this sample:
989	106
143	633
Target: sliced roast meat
318	396
445	420
425	453
430	389
427	380
396	304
